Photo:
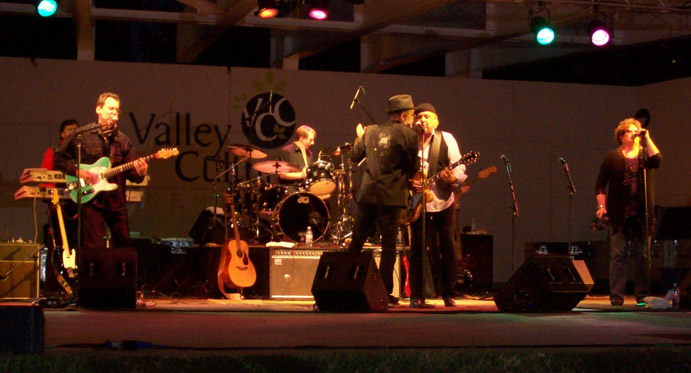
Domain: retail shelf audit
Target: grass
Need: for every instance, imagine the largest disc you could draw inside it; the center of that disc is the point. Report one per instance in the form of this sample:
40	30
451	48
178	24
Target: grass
597	359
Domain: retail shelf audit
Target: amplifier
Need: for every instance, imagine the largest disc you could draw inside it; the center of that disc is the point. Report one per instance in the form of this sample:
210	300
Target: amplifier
288	273
19	263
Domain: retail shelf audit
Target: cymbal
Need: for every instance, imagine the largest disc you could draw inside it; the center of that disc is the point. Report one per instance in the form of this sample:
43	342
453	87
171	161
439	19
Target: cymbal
250	151
274	166
345	148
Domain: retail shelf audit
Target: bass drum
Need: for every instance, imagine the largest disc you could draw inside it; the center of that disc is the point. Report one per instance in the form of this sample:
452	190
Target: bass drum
297	211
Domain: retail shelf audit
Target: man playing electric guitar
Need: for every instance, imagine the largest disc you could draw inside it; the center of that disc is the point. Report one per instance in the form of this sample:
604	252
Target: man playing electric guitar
439	150
102	139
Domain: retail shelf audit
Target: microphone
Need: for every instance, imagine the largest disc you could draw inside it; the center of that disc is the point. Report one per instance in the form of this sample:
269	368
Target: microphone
355	97
562	160
419	129
506	160
642	133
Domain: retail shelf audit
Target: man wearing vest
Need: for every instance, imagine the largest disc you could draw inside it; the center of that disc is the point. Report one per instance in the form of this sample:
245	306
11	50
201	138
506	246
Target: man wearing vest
438	150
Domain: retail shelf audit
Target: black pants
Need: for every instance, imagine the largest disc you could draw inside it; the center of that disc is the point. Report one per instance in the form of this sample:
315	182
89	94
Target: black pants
94	220
386	217
443	223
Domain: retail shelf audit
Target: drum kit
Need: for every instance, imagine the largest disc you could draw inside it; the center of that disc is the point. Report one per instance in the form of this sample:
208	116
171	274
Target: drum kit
273	211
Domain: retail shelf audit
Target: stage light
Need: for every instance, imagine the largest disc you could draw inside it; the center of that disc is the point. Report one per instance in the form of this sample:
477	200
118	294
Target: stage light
599	34
544	34
46	8
319	9
267	8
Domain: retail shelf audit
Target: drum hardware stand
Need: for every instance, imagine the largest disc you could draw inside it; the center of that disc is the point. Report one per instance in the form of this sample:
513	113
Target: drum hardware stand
342	229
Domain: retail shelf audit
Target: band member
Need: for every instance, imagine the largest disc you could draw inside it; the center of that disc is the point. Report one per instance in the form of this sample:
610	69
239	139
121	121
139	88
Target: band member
624	204
299	155
103	139
390	150
438	150
66	128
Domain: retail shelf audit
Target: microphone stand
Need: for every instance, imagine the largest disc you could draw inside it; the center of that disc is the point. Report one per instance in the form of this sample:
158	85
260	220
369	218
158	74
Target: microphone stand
572	191
514	209
648	235
357	99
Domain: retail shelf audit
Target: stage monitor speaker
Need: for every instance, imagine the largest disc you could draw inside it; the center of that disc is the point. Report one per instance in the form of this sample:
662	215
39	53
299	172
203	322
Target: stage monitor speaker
208	228
19	265
23	328
108	278
545	283
349	282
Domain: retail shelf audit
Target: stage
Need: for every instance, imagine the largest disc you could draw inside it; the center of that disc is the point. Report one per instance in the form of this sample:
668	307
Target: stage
198	325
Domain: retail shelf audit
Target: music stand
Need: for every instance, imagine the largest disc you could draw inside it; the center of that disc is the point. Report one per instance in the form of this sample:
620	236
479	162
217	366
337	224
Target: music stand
675	224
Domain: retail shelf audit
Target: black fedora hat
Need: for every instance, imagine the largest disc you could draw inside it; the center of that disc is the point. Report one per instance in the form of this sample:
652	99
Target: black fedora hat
400	102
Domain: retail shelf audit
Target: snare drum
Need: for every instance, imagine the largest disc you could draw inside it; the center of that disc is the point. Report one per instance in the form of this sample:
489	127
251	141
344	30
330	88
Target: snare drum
297	211
319	178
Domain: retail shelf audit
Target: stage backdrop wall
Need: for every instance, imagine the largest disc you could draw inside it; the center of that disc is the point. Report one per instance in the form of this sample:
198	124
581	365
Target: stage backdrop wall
201	110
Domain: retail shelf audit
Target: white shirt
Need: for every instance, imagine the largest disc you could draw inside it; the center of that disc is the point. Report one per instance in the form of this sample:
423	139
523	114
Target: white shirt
437	204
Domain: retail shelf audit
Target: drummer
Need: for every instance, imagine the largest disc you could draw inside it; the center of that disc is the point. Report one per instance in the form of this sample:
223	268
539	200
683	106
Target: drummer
298	154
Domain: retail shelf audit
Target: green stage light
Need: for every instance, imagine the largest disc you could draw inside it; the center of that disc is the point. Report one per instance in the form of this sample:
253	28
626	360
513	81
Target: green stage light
46	8
544	34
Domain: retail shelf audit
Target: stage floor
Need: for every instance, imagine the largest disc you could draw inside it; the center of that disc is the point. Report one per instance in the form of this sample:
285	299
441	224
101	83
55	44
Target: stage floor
202	325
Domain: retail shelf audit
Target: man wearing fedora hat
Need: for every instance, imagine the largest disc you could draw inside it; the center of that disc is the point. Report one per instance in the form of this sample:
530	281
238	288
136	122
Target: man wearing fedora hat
391	159
439	150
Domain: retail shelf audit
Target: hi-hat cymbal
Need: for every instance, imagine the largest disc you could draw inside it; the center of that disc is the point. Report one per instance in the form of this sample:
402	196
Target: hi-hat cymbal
249	151
274	167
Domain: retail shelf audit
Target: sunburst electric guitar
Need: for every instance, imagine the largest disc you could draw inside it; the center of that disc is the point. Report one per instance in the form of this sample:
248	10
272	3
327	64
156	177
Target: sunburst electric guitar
102	167
415	204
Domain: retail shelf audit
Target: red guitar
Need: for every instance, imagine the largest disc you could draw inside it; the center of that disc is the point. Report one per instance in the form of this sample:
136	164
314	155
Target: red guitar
235	268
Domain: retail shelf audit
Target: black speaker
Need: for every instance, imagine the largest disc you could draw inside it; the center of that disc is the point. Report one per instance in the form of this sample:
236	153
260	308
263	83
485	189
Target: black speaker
545	283
108	278
477	251
208	228
349	282
685	292
23	328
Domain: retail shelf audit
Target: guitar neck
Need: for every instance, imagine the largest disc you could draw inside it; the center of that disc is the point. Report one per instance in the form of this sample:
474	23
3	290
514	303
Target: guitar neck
436	176
126	166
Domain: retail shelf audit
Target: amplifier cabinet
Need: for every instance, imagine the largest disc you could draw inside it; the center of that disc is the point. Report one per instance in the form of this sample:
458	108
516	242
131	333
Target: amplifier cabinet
19	276
288	273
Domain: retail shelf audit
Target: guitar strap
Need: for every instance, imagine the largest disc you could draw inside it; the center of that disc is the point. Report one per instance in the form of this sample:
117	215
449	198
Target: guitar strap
433	155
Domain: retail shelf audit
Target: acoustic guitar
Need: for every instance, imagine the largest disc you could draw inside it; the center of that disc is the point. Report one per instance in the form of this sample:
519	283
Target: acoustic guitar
238	271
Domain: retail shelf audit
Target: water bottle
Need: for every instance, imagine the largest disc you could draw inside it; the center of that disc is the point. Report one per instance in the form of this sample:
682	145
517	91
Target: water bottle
308	236
675	296
473	226
399	238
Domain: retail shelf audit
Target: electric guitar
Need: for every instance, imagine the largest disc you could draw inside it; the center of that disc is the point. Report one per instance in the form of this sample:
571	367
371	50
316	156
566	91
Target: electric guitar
237	271
481	175
415	203
69	263
102	167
